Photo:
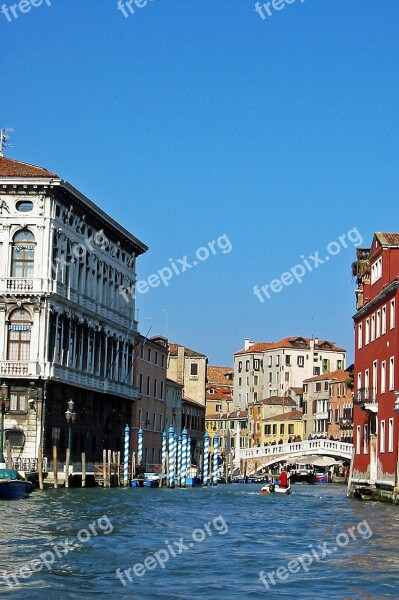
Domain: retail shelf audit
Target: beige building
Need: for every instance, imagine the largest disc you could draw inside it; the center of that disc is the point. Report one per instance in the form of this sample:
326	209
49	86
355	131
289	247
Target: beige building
173	406
188	368
267	369
219	390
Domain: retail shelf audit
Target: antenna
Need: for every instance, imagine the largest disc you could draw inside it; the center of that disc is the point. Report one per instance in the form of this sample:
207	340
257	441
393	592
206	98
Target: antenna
4	139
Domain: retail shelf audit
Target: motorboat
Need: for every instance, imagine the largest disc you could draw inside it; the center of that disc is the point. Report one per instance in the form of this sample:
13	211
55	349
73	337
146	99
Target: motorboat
272	488
13	486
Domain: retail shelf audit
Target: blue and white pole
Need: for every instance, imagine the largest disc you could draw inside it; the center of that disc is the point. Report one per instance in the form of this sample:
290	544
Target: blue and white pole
206	459
179	458
183	473
176	459
126	457
140	448
215	458
163	455
171	450
188	456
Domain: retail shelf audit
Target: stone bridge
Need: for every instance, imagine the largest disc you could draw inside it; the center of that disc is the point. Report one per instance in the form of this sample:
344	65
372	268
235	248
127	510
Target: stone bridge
258	458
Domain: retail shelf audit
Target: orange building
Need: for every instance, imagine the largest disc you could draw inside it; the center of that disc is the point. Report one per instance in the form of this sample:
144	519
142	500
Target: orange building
340	407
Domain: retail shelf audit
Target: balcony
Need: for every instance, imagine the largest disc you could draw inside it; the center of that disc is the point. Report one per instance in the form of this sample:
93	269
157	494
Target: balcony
321	416
13	285
93	382
15	368
366	399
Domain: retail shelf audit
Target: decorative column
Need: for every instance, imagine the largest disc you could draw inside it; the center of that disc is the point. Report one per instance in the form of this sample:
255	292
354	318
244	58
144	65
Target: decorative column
140	448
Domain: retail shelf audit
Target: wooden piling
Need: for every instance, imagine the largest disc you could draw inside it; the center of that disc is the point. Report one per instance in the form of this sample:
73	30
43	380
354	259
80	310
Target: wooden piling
55	467
40	466
9	457
109	469
83	470
104	468
118	468
67	461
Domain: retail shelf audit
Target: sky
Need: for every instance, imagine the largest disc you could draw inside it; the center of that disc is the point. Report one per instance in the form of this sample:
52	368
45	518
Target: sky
272	136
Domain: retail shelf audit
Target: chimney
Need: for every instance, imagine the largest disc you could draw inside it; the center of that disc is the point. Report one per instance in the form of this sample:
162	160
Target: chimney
316	341
247	343
180	365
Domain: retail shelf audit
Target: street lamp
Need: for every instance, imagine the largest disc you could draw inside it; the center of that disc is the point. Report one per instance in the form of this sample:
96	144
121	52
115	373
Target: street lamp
5	405
70	416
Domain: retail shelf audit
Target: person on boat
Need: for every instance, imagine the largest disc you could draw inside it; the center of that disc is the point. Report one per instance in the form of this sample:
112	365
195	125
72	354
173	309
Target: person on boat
283	479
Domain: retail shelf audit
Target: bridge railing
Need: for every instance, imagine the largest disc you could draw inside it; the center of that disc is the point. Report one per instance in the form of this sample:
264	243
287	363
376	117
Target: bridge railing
309	446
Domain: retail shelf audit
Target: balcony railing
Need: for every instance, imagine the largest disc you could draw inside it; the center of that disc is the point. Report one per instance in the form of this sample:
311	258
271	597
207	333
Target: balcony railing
31	285
16	368
366	399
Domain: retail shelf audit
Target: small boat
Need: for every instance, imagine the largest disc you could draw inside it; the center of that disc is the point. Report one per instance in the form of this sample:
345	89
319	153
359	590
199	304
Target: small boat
271	488
13	486
323	477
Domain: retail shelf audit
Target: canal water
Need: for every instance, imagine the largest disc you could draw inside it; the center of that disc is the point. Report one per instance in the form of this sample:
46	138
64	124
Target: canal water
199	543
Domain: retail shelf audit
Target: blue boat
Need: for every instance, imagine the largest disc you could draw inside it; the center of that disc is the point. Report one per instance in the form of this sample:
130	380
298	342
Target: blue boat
13	486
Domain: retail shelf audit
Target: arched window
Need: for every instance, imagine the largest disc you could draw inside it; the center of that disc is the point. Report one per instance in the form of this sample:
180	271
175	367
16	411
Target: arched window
19	335
23	254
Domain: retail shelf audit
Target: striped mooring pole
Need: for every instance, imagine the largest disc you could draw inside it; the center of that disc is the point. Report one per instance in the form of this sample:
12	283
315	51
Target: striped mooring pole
171	451
140	448
175	447
183	472
188	456
126	457
206	459
179	459
163	468
215	458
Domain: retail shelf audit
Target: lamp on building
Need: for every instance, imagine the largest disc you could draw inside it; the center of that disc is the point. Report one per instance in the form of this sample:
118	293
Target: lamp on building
5	405
70	416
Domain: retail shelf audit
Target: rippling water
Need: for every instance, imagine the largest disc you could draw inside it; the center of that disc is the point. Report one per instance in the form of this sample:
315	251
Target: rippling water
264	533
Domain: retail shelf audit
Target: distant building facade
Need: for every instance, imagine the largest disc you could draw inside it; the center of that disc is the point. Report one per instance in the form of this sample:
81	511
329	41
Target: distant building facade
265	369
188	368
148	413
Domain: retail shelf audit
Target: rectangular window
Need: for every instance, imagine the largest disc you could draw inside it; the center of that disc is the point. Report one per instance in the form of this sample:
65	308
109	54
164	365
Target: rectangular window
376	271
382	436
288	360
391	373
367	332
375	377
270	361
139	418
277	376
287	376
317	387
149	354
256	364
290	429
282	429
383	376
161	396
155	388
378	324
360	335
384	320
301	361
141	383
277	360
372	328
247	365
274	429
256	379
270	377
316	371
268	429
390	435
240	366
148	385
255	396
154	421
156	357
366	439
160	422
358	440
239	381
392	314
359	381
194	369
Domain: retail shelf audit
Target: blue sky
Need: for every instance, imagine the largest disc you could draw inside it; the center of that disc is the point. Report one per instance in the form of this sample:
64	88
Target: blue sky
189	120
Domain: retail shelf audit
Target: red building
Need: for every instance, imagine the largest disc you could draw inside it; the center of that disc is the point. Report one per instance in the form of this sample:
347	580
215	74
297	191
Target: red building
376	377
